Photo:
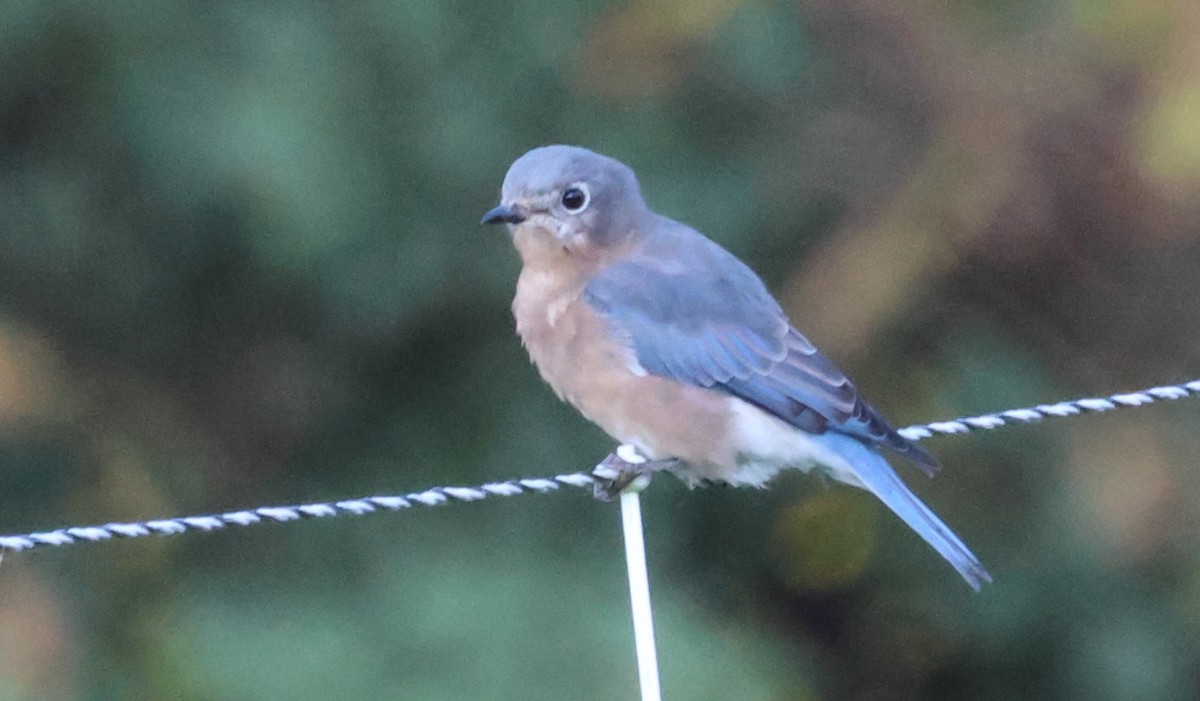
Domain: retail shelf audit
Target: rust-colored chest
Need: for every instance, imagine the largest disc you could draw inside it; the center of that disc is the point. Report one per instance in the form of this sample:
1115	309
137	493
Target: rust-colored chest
560	331
585	361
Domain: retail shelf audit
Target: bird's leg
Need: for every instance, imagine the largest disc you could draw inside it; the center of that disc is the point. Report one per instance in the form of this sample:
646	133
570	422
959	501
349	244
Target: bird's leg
623	469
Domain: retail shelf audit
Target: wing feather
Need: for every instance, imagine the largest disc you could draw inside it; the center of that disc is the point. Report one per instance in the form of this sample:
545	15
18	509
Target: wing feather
693	312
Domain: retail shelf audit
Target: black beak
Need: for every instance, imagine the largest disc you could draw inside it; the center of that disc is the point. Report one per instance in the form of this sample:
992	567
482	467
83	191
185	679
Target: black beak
503	215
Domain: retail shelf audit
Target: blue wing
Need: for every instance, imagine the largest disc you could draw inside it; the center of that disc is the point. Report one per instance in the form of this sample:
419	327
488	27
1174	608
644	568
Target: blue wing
695	313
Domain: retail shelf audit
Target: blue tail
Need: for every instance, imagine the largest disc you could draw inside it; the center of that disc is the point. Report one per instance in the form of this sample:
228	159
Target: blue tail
876	476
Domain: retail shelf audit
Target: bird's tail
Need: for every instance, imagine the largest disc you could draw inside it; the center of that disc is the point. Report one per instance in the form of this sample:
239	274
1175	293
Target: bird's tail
874	474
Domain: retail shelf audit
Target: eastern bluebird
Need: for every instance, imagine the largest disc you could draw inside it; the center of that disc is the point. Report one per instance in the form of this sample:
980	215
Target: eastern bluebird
674	346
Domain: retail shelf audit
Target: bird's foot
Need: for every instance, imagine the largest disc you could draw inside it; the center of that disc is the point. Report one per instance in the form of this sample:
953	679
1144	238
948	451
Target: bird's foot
625	470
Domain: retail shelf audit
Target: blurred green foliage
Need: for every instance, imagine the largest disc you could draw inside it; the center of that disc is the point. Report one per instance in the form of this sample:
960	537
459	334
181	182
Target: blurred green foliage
240	264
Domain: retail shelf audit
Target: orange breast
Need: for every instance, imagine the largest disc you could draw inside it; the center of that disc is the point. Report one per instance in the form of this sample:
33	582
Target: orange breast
575	351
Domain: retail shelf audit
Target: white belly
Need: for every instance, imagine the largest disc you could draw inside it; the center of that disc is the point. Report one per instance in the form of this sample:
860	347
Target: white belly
766	444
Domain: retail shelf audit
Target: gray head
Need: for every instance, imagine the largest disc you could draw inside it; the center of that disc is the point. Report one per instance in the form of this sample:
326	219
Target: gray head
578	197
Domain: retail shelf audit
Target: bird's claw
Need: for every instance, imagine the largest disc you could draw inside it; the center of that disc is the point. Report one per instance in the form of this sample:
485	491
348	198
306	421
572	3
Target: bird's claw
624	470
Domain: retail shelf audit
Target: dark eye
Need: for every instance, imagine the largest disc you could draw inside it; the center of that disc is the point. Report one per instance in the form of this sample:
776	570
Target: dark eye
575	198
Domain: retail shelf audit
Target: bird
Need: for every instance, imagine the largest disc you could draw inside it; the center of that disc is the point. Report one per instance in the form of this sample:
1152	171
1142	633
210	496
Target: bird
674	346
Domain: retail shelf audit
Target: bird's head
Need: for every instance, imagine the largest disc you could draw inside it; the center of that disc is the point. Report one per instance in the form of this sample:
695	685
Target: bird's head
566	200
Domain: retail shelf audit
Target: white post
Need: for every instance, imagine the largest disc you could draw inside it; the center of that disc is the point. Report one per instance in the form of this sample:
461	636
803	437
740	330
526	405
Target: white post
639	595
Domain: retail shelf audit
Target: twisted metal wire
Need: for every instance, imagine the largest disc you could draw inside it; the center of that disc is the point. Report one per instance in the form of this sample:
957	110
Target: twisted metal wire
437	496
1073	407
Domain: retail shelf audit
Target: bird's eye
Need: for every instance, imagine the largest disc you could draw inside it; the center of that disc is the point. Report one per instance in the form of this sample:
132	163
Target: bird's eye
575	198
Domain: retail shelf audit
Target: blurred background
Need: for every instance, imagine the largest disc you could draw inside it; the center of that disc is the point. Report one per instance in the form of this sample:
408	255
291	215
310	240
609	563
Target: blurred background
240	264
